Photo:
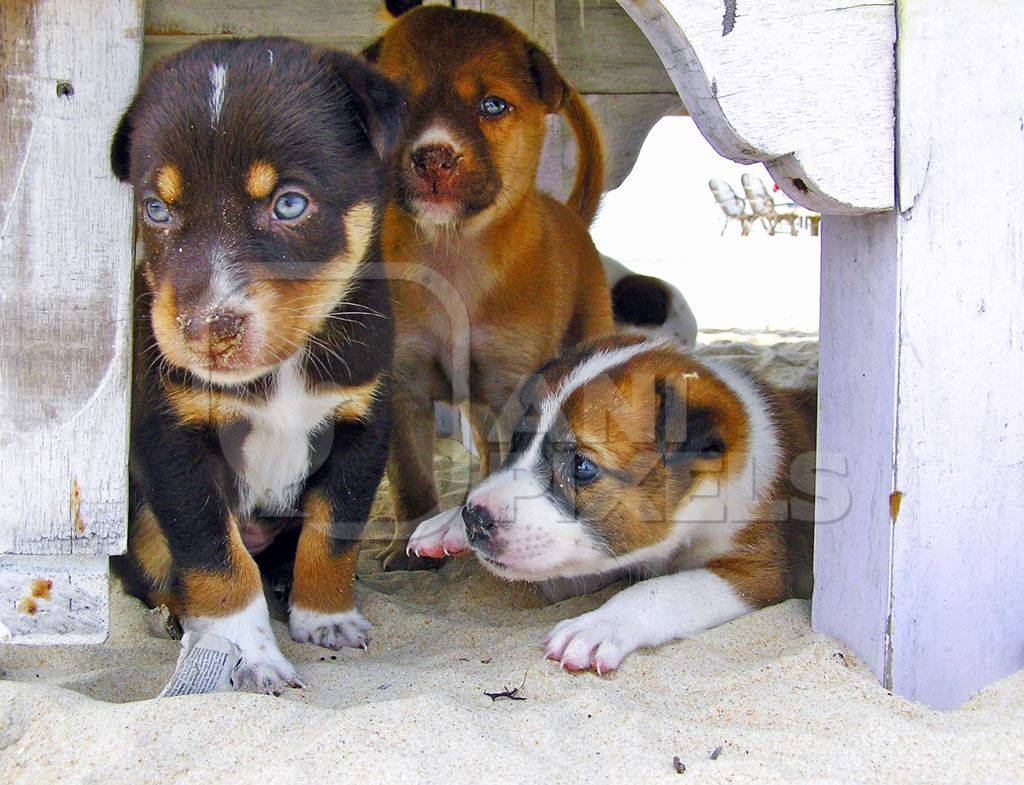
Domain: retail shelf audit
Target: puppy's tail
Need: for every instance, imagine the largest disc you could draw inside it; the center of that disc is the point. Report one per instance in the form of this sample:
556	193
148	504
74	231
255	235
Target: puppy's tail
589	184
398	7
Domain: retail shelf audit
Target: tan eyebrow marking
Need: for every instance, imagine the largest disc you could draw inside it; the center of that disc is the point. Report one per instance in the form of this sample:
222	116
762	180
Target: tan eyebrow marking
260	180
168	183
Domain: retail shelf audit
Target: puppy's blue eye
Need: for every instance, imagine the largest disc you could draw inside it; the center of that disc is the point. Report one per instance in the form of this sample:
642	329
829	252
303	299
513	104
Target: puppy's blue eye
493	106
156	211
290	206
584	470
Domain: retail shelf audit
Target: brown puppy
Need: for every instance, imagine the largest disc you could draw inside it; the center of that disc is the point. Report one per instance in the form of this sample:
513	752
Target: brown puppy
490	278
635	457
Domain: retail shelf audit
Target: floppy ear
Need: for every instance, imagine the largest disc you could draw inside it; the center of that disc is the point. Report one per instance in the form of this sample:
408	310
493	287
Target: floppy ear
684	433
378	102
121	147
550	85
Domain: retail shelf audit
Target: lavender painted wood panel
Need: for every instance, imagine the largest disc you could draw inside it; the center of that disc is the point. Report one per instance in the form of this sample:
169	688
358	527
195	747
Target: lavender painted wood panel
958	582
856	421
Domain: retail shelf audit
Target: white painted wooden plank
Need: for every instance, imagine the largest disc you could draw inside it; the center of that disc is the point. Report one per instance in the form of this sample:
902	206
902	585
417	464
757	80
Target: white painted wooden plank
806	88
47	600
856	422
957	616
922	367
65	276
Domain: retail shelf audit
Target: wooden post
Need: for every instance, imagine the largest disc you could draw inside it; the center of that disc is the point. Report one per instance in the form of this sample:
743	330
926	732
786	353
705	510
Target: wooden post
69	69
925	312
921	421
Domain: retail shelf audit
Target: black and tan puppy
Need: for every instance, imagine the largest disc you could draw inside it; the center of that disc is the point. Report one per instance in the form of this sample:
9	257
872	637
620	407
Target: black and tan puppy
490	277
263	336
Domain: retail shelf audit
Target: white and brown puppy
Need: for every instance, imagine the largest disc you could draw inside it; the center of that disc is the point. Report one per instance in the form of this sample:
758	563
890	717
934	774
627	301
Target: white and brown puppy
635	457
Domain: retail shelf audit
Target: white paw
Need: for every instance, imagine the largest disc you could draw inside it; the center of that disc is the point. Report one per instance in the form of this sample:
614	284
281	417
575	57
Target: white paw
330	630
261	673
262	667
594	641
440	536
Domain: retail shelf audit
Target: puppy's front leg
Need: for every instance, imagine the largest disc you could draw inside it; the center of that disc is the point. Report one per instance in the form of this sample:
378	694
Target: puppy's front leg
336	506
648	613
215	584
410	474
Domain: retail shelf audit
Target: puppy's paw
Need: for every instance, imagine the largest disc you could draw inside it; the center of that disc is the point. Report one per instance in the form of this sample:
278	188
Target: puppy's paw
261	666
330	630
269	673
594	641
440	536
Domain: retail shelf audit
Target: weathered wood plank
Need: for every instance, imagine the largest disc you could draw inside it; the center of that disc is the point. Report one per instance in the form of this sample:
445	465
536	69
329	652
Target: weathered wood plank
46	600
65	276
534	17
601	50
608	55
806	88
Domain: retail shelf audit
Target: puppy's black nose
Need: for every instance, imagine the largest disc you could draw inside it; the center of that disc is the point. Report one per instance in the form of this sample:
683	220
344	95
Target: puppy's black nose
479	522
215	334
434	162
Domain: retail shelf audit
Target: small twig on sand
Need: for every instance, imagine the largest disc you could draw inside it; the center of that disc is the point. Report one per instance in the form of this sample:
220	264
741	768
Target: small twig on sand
716	752
511	694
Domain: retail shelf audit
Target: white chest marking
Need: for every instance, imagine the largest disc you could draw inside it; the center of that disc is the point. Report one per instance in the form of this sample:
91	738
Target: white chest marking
276	453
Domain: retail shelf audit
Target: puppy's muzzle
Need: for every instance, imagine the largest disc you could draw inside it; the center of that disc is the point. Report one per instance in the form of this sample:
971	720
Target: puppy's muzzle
480	524
436	164
215	334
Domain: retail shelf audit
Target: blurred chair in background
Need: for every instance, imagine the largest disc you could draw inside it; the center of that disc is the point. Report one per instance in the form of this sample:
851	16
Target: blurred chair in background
734	207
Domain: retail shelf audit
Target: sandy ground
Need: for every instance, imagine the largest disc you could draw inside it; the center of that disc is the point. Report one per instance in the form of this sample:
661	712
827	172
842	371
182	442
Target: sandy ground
783	704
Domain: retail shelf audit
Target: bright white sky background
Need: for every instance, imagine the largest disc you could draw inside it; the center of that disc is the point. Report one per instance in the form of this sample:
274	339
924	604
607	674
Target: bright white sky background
663	220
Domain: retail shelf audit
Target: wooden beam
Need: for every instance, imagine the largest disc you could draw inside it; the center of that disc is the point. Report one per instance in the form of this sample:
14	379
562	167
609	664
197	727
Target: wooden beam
922	367
957	578
857	371
602	50
65	276
806	88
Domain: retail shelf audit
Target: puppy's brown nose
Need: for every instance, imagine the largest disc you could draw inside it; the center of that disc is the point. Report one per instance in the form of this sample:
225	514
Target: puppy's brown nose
479	523
215	334
435	163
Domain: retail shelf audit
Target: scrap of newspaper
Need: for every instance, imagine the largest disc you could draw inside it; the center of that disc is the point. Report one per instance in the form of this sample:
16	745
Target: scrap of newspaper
205	664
